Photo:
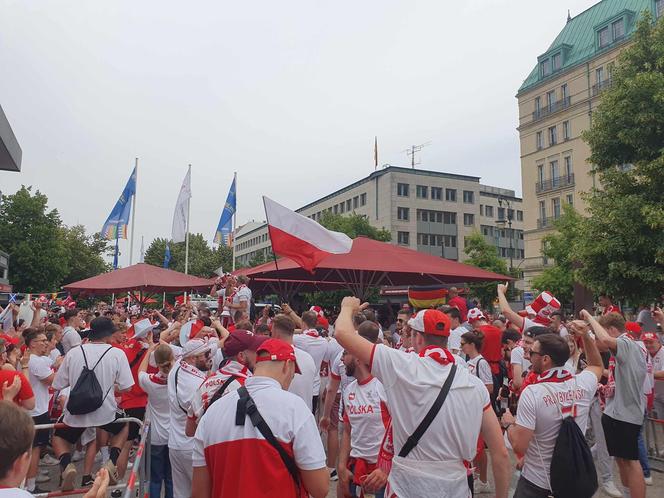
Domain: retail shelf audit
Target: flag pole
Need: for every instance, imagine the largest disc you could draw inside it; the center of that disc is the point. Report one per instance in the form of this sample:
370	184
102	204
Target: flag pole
116	254
274	256
375	152
234	219
186	239
133	214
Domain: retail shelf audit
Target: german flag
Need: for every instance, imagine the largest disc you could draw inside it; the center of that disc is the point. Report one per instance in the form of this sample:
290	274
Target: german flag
427	296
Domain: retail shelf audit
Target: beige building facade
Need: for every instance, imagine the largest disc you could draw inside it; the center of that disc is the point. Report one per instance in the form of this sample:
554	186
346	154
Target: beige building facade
556	103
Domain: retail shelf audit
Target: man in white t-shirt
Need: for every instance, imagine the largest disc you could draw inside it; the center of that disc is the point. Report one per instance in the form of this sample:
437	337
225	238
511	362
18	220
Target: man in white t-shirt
183	381
70	336
112	371
438	464
311	342
656	351
283	327
456	330
541	411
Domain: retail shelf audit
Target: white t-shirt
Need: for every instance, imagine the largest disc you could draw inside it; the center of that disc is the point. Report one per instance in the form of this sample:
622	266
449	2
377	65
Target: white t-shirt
316	346
70	338
338	372
658	366
39	368
479	367
200	401
454	341
112	370
179	400
461	362
365	409
303	384
14	493
243	294
539	412
158	411
517	358
54	354
219	442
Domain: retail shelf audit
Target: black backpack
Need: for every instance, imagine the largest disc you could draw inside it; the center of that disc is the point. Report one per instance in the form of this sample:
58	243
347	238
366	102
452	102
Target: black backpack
87	396
572	468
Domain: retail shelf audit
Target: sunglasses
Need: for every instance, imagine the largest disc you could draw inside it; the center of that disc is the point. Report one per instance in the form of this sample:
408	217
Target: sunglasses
536	352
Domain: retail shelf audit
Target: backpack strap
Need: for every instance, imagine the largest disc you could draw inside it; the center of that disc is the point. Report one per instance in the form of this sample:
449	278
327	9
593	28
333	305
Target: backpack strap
247	406
137	358
220	392
415	437
177	400
100	358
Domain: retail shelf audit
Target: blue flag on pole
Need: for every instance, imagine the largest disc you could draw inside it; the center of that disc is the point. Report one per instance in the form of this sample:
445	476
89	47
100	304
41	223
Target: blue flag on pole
116	224
224	233
167	256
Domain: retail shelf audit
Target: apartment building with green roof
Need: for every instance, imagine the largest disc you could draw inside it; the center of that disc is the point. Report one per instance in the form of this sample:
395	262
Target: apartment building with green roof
556	102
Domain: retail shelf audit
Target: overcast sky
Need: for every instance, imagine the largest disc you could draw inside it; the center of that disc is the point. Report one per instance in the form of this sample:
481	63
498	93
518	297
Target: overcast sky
287	93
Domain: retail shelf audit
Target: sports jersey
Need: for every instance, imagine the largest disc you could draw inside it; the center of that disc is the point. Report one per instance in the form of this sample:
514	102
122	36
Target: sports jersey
135	397
517	358
180	394
200	401
539	412
39	368
338	372
492	347
7	376
158	411
303	383
311	342
70	338
259	472
365	409
480	368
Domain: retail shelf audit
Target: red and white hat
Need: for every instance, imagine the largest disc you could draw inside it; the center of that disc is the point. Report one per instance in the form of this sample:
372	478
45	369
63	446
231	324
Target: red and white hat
140	329
277	350
543	306
649	336
189	330
475	314
431	322
318	310
195	347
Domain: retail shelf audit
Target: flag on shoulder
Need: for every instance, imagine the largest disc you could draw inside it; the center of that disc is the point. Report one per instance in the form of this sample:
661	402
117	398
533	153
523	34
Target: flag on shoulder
224	233
116	224
300	238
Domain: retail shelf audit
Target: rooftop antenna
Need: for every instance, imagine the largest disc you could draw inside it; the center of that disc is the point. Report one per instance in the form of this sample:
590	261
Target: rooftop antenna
569	16
412	150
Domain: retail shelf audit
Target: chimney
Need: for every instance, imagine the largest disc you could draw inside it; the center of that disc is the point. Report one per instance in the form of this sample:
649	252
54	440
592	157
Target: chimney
569	16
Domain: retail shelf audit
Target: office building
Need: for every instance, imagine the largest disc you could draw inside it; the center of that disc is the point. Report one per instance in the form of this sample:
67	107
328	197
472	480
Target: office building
10	150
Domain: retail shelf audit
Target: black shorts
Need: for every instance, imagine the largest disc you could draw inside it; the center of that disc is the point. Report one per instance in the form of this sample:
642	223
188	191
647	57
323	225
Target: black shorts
134	429
621	438
41	436
73	434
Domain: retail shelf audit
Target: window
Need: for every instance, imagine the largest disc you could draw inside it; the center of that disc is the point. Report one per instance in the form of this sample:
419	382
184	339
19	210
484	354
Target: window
422	192
349	205
519	215
468	197
553	135
439	216
510	214
609	69
538	105
551	99
553	167
341	207
618	29
403	214
335	209
563	92
545	67
356	202
603	35
422	215
423	239
436	193
542	211
501	214
449	218
402	189
566	130
449	240
468	219
599	75
555	206
403	238
450	194
481	210
570	199
556	62
538	140
363	199
568	168
540	174
488	211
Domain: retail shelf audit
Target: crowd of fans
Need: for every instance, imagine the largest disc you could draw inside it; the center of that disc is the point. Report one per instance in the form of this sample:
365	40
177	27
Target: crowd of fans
292	404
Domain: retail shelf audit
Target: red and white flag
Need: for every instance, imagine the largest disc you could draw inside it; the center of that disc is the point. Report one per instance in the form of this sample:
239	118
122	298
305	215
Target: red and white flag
300	238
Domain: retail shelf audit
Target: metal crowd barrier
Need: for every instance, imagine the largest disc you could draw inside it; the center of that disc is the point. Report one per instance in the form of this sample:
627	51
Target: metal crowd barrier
140	472
654	439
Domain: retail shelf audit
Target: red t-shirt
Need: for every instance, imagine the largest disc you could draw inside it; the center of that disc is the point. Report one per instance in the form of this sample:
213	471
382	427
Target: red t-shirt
460	304
135	397
26	389
492	348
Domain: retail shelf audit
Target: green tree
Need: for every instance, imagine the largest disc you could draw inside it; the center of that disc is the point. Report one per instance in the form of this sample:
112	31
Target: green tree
484	255
203	259
354	225
31	234
84	253
620	246
559	277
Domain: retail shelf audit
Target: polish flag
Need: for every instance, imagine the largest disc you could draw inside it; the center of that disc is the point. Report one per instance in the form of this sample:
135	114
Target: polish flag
300	238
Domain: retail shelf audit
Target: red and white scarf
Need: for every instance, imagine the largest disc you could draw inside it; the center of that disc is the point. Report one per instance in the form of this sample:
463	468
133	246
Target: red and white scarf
311	333
556	375
438	354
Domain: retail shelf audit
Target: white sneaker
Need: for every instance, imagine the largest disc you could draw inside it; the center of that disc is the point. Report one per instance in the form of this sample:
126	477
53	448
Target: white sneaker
48	460
648	480
481	487
68	477
610	489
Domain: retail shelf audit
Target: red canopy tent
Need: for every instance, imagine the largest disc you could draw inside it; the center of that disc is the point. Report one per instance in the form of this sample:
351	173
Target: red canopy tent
143	278
372	263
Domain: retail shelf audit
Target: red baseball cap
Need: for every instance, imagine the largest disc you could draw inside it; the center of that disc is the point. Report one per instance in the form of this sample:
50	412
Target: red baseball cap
649	336
242	340
277	350
431	322
633	327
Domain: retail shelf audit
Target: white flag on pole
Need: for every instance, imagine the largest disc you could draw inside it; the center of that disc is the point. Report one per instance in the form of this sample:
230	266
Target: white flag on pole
180	227
142	260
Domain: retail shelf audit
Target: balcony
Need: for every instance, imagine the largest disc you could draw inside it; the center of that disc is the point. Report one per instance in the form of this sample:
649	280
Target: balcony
601	86
551	108
547	222
555	183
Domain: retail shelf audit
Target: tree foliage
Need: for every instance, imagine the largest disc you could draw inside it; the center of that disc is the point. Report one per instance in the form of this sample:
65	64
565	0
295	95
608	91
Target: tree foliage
484	255
620	246
203	259
354	225
44	253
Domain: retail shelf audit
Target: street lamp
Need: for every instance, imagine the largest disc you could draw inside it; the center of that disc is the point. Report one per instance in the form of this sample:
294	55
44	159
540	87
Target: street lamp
508	221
